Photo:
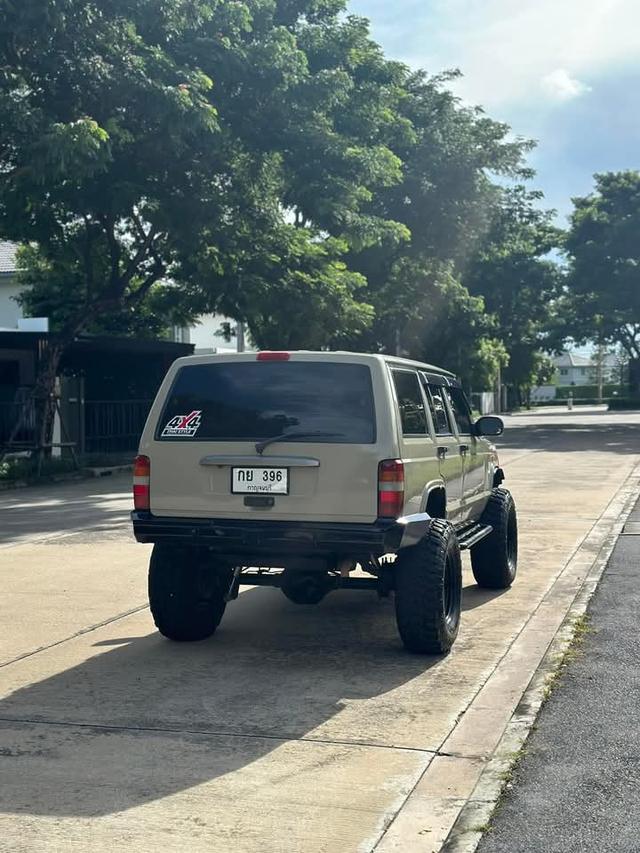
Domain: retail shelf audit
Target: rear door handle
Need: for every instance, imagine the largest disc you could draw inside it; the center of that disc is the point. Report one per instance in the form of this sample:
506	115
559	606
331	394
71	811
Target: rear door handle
464	448
442	452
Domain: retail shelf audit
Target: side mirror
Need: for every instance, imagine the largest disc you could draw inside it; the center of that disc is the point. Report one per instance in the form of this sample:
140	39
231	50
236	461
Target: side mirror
489	425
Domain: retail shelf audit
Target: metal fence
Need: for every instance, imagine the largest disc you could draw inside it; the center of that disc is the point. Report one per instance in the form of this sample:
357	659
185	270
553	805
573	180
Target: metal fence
112	426
10	415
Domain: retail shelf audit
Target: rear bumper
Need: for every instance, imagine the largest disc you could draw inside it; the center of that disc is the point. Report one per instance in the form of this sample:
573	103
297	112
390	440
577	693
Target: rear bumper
281	537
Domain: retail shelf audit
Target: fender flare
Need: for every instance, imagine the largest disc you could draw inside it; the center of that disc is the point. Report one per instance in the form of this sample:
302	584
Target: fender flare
413	528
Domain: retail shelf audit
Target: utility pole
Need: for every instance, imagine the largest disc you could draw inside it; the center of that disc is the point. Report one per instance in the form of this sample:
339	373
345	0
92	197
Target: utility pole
240	335
600	357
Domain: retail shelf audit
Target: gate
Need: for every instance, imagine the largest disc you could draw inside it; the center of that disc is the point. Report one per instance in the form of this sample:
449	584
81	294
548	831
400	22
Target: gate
112	426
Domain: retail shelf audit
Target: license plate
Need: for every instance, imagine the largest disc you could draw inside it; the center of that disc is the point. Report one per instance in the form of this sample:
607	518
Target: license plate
264	481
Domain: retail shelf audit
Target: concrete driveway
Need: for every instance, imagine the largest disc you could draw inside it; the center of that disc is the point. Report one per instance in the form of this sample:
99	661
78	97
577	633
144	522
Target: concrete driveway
294	728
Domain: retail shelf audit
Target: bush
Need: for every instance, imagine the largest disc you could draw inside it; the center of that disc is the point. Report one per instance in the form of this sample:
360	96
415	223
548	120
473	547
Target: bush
585	392
555	402
22	469
620	404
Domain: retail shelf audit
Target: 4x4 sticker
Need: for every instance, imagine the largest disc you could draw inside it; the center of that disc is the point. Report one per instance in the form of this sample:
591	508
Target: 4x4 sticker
183	425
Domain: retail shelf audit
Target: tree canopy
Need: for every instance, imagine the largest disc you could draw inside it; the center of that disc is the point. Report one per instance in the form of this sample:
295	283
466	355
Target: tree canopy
604	255
521	286
263	159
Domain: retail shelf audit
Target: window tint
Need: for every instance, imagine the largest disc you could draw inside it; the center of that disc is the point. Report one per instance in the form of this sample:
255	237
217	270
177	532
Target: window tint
251	400
460	408
411	403
439	412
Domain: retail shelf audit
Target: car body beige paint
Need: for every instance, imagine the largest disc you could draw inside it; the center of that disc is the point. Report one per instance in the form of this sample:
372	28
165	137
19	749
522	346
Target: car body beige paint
329	482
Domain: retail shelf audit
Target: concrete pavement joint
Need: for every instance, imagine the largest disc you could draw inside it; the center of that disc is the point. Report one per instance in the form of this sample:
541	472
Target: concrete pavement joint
112	727
46	539
74	636
465	834
472	805
584	542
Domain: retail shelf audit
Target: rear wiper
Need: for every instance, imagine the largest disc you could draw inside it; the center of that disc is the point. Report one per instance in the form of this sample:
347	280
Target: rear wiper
261	445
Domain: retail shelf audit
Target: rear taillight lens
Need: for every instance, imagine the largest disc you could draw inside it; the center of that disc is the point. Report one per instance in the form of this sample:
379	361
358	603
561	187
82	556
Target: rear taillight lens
141	480
390	488
268	355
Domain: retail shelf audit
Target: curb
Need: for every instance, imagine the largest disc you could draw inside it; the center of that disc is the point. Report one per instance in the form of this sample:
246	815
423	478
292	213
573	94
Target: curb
108	470
469	826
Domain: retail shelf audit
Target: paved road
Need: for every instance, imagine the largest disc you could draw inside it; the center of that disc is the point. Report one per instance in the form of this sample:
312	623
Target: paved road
98	508
293	729
578	788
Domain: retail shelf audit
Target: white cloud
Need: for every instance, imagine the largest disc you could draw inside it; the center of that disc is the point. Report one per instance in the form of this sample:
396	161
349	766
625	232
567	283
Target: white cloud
561	86
505	48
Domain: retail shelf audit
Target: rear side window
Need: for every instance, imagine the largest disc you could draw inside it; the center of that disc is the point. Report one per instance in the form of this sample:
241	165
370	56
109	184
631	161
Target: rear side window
460	409
441	422
250	401
410	402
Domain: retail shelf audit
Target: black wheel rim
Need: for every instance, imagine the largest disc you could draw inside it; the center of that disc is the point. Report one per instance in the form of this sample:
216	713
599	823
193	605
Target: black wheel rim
451	593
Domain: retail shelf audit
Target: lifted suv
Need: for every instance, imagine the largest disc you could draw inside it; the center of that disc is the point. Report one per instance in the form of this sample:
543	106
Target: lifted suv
316	471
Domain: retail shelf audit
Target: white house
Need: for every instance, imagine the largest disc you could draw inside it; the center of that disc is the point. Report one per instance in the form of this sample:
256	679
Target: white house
10	311
573	369
205	333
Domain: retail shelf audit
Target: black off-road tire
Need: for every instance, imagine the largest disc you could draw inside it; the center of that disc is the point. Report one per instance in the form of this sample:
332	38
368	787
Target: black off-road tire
428	591
186	594
494	559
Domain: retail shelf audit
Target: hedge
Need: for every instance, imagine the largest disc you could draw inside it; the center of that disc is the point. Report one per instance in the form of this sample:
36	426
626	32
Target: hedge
585	392
619	404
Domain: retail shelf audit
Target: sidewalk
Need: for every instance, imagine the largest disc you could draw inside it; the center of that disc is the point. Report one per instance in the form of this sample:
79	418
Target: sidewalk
578	786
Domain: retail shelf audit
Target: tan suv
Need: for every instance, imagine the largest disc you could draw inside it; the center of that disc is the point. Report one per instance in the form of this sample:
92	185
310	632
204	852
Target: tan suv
313	471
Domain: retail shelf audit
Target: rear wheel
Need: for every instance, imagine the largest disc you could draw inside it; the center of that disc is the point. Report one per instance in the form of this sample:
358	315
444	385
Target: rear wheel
428	584
186	593
494	559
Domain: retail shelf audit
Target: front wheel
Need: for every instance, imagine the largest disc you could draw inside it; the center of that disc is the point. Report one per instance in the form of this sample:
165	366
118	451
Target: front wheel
494	559
186	593
428	591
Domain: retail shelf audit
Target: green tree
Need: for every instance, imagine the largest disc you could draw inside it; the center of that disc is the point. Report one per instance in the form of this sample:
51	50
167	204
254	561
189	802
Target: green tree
98	125
448	202
147	142
521	286
604	255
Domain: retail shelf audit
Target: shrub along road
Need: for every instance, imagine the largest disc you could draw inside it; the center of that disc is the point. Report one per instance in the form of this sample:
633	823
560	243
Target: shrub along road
294	728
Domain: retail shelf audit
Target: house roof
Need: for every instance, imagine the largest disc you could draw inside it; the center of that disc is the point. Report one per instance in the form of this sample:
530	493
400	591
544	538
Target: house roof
572	359
8	253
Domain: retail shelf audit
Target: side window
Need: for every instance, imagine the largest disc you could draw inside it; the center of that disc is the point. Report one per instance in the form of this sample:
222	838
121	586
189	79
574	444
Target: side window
441	422
410	402
460	408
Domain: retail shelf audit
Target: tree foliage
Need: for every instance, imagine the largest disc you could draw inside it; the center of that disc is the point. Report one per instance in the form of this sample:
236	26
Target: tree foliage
604	255
521	286
265	160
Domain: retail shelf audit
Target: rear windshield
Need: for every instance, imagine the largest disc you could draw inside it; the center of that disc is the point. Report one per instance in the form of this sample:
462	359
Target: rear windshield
250	401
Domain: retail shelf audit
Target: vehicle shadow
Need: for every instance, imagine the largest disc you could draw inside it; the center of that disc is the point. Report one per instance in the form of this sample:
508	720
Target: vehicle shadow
474	596
136	722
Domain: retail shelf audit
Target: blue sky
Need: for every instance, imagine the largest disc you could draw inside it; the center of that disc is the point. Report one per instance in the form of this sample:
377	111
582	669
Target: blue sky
563	72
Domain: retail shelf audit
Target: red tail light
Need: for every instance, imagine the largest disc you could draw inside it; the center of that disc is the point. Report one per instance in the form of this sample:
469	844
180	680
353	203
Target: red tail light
141	480
273	356
390	488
